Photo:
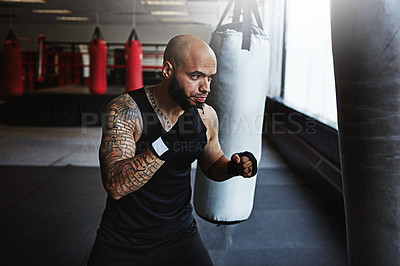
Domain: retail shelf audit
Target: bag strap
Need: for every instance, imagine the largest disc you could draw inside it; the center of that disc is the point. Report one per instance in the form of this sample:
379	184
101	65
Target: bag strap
246	39
227	8
248	6
97	34
256	12
133	34
237	10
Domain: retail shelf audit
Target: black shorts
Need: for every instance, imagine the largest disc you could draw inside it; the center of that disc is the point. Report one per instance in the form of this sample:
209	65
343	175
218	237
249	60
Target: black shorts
183	249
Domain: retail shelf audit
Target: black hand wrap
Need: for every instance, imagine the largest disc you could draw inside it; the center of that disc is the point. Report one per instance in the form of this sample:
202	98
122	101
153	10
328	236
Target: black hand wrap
233	168
182	136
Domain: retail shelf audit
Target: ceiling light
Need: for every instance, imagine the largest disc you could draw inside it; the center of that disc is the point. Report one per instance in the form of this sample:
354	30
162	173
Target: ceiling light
72	18
25	1
179	20
163	3
169	13
51	11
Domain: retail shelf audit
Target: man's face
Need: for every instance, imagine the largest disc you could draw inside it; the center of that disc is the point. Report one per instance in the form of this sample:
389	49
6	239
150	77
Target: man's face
177	92
190	83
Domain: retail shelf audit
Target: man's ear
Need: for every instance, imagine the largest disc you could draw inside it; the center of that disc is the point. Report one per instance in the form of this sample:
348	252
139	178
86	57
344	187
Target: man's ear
167	70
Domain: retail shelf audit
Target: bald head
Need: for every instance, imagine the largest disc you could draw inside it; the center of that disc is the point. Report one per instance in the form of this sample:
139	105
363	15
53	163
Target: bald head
181	47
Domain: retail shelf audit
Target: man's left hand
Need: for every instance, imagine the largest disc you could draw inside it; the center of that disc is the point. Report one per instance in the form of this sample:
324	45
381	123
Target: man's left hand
244	164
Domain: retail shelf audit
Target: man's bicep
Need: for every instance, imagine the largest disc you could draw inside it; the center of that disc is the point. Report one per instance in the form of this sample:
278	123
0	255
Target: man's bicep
121	126
212	152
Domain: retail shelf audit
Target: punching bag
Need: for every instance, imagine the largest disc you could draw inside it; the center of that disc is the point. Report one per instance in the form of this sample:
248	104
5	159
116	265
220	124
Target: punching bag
366	53
133	59
98	63
12	65
42	58
238	95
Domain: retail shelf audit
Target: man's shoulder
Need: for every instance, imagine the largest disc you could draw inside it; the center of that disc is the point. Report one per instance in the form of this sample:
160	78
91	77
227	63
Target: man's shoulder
123	109
122	102
209	117
122	115
209	111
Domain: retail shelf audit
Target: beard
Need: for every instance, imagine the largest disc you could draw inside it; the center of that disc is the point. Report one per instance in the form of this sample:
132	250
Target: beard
177	92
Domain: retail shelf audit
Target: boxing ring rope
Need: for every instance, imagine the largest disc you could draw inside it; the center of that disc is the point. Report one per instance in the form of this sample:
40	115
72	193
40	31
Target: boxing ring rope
64	63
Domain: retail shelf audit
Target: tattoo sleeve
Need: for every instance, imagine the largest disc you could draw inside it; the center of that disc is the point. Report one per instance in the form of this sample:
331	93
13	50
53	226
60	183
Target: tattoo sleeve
122	171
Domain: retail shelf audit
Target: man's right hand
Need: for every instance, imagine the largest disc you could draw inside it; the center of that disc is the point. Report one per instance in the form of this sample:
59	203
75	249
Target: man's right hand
187	130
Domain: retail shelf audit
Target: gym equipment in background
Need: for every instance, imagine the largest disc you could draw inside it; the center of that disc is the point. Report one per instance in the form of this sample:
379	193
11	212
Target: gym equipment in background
98	63
12	65
133	61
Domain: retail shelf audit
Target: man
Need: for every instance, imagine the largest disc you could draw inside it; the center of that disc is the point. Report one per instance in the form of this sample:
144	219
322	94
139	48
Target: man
150	138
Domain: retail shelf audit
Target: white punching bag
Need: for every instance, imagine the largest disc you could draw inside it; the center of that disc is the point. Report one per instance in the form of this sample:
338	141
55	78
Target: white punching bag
238	95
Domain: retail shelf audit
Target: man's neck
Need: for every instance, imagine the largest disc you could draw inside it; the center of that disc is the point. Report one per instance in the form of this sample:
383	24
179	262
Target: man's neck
165	103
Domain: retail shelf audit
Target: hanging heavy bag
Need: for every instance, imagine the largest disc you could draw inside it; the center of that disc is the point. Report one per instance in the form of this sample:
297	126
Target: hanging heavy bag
12	65
42	58
98	63
133	59
238	95
366	56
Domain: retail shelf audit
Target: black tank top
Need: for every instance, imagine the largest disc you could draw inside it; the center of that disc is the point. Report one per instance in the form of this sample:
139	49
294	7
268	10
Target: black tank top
162	206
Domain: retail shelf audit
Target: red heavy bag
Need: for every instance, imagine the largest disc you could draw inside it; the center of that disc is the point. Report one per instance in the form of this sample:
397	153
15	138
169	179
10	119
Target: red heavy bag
12	65
42	58
98	63
133	59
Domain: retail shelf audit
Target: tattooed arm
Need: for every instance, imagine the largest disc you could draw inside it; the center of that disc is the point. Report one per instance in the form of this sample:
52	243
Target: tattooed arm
122	172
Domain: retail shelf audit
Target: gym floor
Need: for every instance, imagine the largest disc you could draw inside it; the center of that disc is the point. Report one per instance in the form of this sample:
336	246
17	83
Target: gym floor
52	200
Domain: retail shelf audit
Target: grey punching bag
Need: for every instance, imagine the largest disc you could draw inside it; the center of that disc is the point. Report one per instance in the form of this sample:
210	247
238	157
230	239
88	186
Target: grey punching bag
366	49
238	95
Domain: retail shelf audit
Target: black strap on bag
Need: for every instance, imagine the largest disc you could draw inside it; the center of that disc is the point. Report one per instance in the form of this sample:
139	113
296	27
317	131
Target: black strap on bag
227	8
134	35
237	10
11	37
248	7
254	8
97	35
246	39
